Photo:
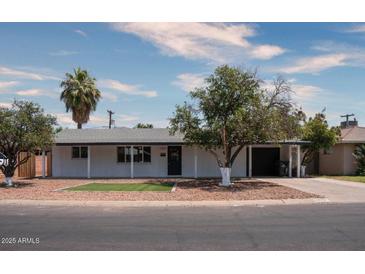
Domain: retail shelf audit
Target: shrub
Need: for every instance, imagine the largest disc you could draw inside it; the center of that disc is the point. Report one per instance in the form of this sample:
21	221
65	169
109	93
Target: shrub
359	155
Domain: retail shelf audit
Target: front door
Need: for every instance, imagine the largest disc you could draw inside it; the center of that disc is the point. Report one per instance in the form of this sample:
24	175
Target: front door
174	160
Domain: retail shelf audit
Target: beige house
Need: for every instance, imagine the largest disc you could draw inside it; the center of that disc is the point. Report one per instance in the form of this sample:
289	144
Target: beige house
339	160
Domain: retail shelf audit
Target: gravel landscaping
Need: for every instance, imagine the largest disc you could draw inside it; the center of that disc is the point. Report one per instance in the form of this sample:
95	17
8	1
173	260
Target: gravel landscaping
186	190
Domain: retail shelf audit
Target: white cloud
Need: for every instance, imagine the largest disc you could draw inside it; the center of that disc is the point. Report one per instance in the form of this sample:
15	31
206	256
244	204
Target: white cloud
126	88
8	84
5	105
64	119
316	64
266	52
80	32
301	92
126	118
109	96
332	55
96	120
25	74
63	53
356	28
304	92
34	92
189	81
217	42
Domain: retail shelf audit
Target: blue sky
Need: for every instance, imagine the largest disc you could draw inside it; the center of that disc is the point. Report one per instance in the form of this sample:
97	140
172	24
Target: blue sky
145	69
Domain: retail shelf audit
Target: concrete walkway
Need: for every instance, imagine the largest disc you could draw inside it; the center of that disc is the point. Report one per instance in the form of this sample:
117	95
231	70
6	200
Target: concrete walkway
335	191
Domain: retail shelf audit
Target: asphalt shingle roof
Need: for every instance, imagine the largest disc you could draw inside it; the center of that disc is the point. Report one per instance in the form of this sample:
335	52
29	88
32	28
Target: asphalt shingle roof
126	136
353	135
117	136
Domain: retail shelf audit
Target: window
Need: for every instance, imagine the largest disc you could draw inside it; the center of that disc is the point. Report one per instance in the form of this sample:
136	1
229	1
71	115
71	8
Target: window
137	154
83	152
147	154
79	152
141	154
128	154
121	154
75	152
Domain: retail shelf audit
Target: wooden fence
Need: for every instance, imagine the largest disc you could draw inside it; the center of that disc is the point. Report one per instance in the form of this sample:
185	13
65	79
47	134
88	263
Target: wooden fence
33	166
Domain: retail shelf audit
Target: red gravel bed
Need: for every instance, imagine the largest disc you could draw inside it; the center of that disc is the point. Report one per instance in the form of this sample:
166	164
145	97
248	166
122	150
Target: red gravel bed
186	190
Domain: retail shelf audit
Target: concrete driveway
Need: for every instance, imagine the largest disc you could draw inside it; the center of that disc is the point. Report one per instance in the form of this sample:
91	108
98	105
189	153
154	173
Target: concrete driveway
334	190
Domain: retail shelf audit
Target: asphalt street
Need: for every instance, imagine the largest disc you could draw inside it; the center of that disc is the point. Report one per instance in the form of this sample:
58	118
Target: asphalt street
287	227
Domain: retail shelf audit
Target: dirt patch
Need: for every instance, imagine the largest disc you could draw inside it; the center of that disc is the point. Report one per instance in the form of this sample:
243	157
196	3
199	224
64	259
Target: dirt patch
186	190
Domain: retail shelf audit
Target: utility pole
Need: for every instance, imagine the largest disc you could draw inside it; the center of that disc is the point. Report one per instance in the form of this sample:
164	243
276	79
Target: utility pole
347	116
110	117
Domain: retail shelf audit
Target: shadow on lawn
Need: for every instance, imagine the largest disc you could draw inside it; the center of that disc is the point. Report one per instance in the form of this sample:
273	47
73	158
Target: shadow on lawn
212	185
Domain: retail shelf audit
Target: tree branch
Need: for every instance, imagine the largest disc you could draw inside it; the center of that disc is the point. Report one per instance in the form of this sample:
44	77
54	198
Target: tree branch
24	160
235	154
216	157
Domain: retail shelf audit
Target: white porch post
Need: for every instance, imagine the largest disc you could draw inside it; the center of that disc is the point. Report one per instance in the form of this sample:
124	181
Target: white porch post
195	162
298	161
132	162
88	161
43	164
250	161
290	162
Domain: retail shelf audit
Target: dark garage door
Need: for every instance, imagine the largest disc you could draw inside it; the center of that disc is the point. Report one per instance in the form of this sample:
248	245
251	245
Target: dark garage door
265	161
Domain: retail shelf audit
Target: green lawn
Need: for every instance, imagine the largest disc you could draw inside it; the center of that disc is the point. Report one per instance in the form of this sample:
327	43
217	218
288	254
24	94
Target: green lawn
124	187
360	179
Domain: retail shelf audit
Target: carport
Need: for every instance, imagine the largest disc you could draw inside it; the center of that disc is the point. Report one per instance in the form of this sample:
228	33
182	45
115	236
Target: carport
264	160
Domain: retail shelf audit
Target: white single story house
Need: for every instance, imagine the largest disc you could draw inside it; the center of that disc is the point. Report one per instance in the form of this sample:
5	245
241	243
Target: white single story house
131	153
339	160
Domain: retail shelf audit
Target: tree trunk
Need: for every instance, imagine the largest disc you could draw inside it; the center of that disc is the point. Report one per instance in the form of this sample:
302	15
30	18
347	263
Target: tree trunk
9	173
79	125
226	176
9	181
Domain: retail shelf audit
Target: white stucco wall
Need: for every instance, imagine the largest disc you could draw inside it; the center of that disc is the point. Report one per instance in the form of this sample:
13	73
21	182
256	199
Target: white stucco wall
104	163
64	166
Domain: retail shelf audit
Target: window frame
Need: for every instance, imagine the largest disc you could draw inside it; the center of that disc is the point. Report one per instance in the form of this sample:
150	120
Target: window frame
73	154
138	154
79	148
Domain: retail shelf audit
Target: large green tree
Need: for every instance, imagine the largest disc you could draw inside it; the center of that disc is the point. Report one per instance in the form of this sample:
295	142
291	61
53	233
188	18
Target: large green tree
80	95
232	110
23	127
320	136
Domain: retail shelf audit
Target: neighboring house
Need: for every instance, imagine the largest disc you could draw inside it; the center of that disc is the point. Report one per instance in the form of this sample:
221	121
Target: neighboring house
339	160
94	153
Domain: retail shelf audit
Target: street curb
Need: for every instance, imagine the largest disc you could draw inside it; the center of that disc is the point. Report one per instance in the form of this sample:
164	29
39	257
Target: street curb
232	203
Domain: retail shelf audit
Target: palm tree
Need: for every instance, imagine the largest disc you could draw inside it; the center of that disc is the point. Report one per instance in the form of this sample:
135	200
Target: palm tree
80	95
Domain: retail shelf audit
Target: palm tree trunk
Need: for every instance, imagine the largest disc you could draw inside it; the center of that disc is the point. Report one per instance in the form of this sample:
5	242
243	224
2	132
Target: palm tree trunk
79	125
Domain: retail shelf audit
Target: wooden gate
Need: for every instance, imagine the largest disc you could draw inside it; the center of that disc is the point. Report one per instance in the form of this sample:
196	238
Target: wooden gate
28	168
